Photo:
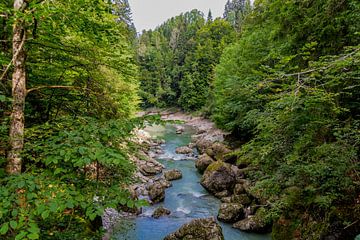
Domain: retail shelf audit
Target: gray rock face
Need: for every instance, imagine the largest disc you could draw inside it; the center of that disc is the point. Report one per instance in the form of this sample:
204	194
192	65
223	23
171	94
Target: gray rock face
230	212
184	150
198	229
156	192
174	174
161	211
203	162
218	177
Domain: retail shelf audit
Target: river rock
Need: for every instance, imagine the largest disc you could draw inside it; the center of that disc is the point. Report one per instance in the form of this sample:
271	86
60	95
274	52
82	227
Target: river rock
218	151
149	170
230	212
202	144
222	194
198	229
218	177
184	150
161	211
156	192
179	129
174	174
163	182
203	162
255	223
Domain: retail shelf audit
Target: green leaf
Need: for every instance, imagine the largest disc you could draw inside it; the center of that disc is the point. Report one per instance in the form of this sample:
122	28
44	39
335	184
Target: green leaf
53	207
13	224
14	212
45	214
33	236
4	228
21	235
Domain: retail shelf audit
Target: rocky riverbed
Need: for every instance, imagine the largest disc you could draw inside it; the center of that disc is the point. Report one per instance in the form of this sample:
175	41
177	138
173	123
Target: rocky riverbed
167	190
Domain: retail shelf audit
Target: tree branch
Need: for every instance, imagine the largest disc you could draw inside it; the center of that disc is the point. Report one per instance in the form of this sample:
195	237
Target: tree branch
53	87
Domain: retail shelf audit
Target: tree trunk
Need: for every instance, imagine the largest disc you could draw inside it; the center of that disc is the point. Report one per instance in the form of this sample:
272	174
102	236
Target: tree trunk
18	94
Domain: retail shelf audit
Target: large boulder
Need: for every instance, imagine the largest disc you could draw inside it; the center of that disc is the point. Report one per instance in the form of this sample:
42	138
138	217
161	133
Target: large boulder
162	181
218	177
156	192
218	151
255	223
150	169
198	229
202	144
203	162
174	174
184	150
161	211
230	212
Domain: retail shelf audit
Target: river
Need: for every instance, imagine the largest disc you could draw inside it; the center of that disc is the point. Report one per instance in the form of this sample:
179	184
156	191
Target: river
186	199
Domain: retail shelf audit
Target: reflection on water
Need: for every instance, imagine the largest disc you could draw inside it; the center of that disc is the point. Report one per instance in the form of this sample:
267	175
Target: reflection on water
186	199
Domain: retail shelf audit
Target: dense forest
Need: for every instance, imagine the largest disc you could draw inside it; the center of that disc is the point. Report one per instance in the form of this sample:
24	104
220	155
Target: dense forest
282	77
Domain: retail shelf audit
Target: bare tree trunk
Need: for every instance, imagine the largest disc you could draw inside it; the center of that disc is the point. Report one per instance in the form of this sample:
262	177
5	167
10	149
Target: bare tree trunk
18	94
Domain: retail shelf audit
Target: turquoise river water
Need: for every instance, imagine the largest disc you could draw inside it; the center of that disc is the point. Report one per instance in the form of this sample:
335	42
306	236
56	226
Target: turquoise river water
186	199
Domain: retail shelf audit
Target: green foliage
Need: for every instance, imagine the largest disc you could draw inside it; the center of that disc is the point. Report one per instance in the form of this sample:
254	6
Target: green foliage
289	86
82	93
74	170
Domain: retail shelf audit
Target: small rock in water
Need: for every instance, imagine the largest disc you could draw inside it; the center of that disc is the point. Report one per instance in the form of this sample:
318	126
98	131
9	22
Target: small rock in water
198	229
179	129
184	150
161	211
174	174
156	192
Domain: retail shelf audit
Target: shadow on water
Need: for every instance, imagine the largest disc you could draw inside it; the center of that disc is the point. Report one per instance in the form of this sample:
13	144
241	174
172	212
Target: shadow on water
186	199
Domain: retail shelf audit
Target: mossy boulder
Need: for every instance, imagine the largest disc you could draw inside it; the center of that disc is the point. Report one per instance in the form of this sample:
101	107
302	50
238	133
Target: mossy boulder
218	151
219	176
173	174
203	162
230	212
255	223
198	229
